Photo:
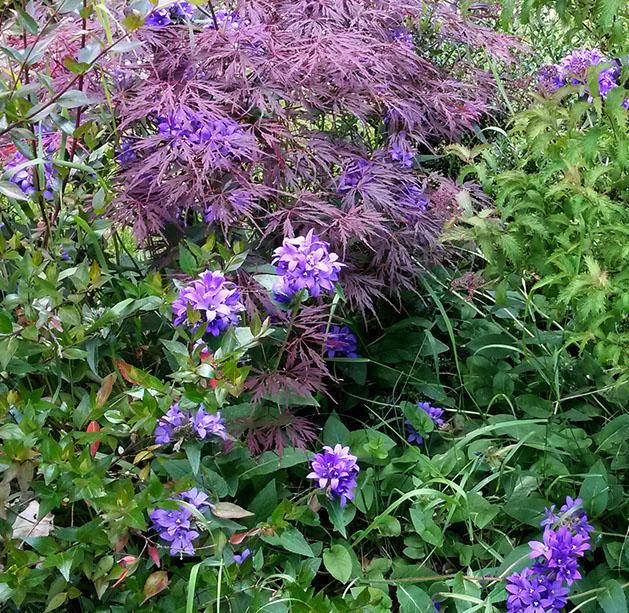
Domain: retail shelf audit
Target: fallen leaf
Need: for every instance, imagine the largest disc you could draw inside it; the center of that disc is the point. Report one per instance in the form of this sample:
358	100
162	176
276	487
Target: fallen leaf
105	390
236	539
26	524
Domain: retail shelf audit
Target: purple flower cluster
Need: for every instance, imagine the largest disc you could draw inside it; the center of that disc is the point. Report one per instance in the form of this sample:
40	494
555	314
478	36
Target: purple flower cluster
176	421
433	412
341	343
573	69
401	151
223	139
175	12
402	36
541	589
335	471
355	173
305	262
176	527
214	298
125	153
23	178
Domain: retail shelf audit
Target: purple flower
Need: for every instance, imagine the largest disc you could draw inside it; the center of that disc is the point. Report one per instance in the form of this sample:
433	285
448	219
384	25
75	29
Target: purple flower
65	256
551	77
401	151
576	65
414	199
185	10
159	18
335	471
433	412
202	424
175	526
174	418
240	558
413	437
214	298
23	178
125	152
437	605
355	173
401	35
341	342
206	423
305	262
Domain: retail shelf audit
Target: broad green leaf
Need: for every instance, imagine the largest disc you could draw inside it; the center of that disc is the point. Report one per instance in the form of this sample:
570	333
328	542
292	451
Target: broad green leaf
338	562
413	599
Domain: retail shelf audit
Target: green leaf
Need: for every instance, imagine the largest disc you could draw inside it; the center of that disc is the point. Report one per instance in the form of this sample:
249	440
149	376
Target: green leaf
56	601
595	490
338	563
292	540
413	599
613	599
6	324
11	190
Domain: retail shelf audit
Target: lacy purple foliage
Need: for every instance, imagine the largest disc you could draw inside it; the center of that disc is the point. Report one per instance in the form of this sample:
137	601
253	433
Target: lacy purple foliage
341	343
335	471
215	299
305	262
240	111
543	588
182	423
176	527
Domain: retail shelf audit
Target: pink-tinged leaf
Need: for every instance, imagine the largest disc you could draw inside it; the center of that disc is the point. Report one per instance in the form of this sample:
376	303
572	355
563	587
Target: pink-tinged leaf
227	510
127	561
105	390
121	541
156	583
139	377
122	576
237	539
93	426
154	555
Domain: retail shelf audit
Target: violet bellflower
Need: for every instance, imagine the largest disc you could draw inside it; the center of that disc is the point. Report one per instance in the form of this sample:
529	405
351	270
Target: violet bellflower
341	343
240	558
305	262
176	527
179	11
23	178
543	588
401	151
215	299
415	437
335	472
354	174
177	423
159	18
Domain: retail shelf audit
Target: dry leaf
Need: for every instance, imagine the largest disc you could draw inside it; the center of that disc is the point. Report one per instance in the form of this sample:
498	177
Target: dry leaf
26	524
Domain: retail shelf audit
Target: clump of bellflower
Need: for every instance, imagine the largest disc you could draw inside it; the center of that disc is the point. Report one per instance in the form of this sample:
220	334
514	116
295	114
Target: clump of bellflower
23	178
401	151
178	423
434	413
177	527
215	299
305	262
341	343
221	140
574	68
125	153
402	36
354	174
335	471
544	587
177	12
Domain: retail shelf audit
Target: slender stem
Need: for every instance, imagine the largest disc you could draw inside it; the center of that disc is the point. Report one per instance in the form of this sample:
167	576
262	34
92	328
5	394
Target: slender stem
290	328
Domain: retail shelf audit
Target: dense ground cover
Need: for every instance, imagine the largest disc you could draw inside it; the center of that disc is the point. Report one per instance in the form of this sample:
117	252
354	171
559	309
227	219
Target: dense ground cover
306	307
